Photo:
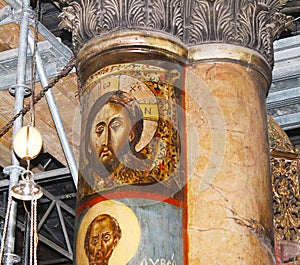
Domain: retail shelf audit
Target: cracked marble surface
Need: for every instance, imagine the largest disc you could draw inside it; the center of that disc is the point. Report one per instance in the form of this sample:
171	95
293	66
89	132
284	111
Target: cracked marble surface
229	194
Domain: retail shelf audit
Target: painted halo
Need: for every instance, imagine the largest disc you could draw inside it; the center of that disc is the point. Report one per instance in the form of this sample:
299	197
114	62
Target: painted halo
128	222
141	93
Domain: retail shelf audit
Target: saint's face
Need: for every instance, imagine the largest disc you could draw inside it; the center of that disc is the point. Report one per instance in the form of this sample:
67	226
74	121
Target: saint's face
101	241
110	133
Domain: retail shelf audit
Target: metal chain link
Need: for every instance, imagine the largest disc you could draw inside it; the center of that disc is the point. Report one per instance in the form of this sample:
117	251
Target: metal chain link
35	233
33	63
5	228
31	248
26	223
39	96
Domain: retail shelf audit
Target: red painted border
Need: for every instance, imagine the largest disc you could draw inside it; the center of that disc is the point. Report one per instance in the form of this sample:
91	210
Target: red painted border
185	188
158	197
127	195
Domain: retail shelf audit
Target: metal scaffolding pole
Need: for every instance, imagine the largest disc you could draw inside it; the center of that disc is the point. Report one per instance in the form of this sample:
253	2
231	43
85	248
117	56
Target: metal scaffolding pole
5	12
16	5
19	102
20	90
55	113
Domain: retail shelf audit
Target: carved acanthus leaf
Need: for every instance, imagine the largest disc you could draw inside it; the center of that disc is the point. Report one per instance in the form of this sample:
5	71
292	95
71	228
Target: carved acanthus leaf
224	22
252	28
280	23
111	15
253	24
136	16
157	15
199	22
176	19
74	18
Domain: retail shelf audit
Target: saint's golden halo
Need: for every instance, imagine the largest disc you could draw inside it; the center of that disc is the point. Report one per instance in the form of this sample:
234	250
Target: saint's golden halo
128	222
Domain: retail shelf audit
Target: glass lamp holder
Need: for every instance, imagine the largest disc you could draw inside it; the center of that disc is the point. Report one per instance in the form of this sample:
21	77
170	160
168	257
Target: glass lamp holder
26	190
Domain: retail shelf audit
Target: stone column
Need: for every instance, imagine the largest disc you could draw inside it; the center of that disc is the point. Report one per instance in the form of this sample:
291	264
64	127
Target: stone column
200	72
229	194
132	150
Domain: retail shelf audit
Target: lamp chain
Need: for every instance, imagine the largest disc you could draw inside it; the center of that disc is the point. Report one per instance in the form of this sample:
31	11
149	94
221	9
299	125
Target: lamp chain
5	227
36	99
35	232
33	64
26	223
31	253
39	96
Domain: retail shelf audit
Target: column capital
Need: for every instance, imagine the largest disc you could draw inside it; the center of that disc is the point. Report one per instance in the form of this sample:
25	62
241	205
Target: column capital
250	24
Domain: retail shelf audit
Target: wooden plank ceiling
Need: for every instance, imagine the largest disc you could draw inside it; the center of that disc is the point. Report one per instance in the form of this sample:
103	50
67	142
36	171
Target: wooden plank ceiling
67	103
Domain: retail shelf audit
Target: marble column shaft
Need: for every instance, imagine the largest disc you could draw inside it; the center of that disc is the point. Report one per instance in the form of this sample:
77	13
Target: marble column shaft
225	51
229	194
